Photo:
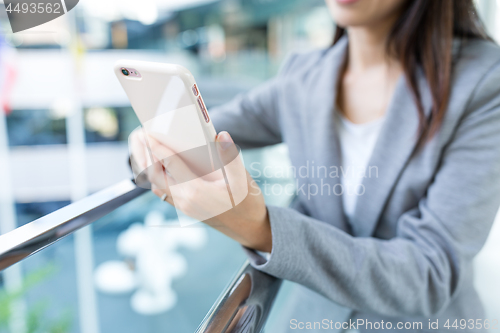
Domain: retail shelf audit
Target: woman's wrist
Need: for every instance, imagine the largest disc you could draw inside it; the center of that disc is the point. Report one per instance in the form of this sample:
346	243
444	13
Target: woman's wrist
259	237
252	232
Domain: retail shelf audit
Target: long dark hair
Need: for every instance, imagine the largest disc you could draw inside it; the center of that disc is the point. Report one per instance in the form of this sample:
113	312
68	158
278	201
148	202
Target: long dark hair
423	37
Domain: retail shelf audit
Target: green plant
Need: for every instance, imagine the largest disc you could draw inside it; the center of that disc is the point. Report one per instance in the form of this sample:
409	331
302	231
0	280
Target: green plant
36	320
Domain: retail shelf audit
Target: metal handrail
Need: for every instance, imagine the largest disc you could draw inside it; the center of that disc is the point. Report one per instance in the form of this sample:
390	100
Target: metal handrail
244	305
34	236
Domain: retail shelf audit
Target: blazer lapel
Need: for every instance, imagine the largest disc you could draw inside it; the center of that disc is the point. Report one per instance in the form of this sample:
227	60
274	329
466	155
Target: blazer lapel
395	145
321	142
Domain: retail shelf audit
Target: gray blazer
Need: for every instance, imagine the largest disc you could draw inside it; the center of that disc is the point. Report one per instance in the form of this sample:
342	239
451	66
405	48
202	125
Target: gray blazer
407	253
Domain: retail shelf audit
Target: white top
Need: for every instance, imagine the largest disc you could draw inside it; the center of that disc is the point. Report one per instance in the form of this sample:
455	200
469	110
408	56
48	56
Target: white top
356	142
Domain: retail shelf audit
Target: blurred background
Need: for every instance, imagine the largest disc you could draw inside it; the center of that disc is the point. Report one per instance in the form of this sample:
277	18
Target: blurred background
64	126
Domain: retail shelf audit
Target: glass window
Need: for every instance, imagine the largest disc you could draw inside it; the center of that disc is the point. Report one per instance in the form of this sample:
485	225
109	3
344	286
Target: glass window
35	127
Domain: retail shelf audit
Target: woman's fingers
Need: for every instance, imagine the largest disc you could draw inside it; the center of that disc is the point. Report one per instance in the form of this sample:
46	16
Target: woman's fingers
138	149
196	196
156	174
160	181
226	148
236	173
173	164
163	193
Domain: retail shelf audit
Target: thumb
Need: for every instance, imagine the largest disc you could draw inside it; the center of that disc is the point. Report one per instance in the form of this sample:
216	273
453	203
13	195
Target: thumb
227	149
237	176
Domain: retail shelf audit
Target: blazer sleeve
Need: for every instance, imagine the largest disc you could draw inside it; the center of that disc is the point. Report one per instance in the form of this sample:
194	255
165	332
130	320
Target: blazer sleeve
252	119
417	272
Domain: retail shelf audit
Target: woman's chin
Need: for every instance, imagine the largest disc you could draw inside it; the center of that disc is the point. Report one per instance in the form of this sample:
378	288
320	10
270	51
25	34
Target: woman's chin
346	22
346	2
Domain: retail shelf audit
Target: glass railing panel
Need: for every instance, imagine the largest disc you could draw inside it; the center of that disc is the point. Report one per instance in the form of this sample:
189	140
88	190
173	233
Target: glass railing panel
152	275
195	271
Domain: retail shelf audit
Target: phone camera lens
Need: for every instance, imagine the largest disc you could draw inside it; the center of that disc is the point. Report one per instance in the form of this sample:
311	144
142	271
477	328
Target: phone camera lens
125	72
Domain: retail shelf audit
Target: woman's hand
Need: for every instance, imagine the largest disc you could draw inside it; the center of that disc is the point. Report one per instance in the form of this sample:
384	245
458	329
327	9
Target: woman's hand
236	207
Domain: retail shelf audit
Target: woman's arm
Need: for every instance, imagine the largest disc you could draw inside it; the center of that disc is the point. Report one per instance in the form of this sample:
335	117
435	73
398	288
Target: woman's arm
417	272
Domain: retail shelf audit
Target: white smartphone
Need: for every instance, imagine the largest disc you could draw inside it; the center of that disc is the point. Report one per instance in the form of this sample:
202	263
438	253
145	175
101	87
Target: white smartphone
168	103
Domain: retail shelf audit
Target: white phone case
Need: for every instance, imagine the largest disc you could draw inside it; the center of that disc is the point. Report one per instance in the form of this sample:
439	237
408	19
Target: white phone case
167	102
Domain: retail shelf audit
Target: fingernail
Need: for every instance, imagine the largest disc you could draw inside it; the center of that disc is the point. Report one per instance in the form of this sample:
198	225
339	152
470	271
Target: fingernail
224	140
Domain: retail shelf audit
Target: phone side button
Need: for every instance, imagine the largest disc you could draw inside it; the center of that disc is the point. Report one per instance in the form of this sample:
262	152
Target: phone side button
203	109
195	90
205	114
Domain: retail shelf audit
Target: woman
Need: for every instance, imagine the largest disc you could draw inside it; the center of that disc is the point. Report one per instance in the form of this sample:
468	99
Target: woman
411	91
